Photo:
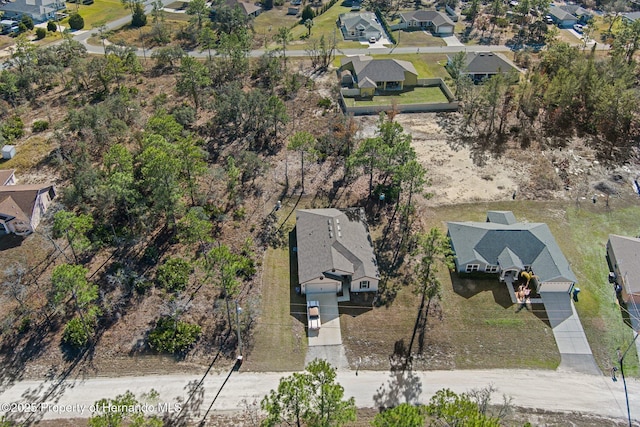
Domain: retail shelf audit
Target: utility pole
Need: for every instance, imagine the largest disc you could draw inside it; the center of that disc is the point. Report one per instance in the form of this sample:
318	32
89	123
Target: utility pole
621	356
238	311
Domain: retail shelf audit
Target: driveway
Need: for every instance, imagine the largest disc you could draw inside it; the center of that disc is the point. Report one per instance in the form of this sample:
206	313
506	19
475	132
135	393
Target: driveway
575	352
326	343
329	332
452	41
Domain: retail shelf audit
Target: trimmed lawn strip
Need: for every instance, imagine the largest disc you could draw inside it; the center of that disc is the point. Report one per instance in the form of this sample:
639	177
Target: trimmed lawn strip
100	12
417	95
280	340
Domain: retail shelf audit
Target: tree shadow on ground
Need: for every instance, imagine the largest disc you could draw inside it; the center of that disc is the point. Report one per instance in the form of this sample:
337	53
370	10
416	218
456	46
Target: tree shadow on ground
402	386
469	285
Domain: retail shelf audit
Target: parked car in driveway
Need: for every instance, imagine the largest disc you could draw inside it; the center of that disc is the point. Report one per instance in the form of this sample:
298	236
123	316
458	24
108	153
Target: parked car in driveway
579	28
313	315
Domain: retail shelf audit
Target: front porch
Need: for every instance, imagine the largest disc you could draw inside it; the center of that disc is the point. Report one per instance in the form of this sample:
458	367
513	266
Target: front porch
513	282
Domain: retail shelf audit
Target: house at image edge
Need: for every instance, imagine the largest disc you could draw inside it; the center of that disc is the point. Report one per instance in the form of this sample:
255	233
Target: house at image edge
38	10
335	252
22	206
623	257
504	246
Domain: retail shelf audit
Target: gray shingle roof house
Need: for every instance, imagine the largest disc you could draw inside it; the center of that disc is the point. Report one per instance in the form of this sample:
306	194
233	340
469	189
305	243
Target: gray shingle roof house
437	22
579	12
501	245
38	10
249	9
7	177
631	17
22	207
562	18
384	74
623	256
482	65
335	250
360	26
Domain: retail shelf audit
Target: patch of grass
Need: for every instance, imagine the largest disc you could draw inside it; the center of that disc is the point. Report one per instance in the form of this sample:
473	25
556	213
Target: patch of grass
416	95
28	154
96	13
280	342
504	322
417	38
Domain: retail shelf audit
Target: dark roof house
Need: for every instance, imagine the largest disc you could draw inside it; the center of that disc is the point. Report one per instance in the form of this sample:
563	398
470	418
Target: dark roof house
482	65
501	245
385	74
437	22
334	249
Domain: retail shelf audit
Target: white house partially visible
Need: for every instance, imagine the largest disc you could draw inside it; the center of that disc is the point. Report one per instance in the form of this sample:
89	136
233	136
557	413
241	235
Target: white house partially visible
335	252
23	206
38	10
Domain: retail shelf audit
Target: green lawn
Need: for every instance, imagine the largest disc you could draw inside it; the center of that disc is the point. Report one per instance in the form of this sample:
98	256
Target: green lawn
417	95
581	231
417	38
100	12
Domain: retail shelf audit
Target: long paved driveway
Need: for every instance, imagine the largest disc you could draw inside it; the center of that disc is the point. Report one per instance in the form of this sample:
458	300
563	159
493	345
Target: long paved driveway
547	390
574	348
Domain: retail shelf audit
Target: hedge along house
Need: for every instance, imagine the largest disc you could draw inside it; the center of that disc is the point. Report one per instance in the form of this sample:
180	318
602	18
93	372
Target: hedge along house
335	252
503	246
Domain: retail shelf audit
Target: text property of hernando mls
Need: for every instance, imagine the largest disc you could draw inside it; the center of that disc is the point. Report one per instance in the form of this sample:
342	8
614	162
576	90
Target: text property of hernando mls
102	408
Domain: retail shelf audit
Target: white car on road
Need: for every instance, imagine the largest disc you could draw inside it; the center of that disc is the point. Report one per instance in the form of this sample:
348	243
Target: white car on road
313	315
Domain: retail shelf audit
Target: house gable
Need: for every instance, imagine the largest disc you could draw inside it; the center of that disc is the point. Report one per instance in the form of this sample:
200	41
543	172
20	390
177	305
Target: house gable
7	177
24	205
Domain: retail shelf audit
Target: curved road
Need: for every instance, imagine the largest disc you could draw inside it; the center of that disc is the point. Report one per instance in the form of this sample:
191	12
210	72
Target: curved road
548	390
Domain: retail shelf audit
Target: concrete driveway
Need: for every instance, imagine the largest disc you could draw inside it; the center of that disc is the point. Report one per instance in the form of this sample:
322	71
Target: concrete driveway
575	352
329	332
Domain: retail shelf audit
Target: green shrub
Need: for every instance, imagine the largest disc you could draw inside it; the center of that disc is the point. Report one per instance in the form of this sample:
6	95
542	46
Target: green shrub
184	114
27	21
76	334
40	33
40	125
138	19
173	275
76	22
52	26
12	128
324	103
173	336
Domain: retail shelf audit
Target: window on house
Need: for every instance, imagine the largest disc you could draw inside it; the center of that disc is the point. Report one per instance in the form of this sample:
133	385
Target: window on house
364	284
472	267
491	269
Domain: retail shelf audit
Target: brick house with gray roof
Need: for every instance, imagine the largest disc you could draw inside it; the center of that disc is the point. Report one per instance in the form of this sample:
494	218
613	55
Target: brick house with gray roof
335	250
504	246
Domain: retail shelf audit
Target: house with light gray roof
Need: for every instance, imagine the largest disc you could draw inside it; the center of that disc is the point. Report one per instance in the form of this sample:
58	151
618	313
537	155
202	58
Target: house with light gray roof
436	22
360	26
38	10
335	252
483	65
562	18
506	247
623	257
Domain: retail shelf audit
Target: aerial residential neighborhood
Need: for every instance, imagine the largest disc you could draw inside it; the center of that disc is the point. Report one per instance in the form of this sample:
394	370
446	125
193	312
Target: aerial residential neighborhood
319	213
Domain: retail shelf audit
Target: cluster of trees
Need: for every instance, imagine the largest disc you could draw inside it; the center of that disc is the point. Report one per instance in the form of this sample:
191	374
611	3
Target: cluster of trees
566	92
314	398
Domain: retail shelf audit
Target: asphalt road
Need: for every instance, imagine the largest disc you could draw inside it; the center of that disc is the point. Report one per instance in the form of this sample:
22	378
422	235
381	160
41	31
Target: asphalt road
549	390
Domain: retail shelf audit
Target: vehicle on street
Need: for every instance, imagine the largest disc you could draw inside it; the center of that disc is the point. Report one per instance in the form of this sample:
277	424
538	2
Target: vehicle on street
313	315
